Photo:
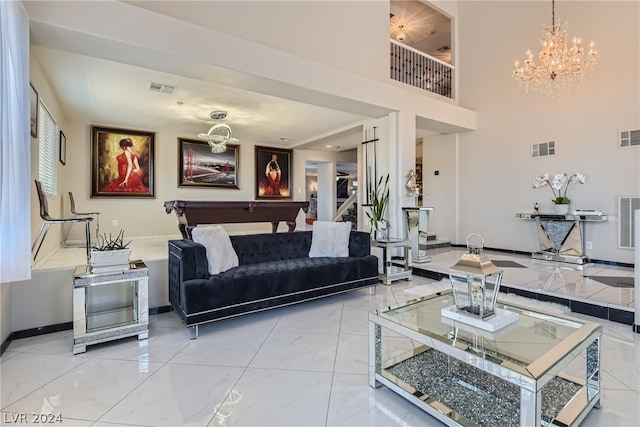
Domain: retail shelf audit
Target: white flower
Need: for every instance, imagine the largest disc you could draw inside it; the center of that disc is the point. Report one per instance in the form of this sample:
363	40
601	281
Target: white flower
577	177
560	181
541	181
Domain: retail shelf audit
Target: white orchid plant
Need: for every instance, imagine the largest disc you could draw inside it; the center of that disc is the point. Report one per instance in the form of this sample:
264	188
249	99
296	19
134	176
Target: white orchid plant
559	185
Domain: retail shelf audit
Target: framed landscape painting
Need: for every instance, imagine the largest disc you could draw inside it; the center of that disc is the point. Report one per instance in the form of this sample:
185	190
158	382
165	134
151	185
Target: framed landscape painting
199	167
273	173
122	163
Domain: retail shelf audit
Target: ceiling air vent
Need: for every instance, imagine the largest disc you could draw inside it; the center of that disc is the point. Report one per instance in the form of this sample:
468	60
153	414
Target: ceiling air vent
629	138
162	88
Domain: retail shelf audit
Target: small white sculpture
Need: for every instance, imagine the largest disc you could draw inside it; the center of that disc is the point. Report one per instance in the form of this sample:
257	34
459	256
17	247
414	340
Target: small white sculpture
412	185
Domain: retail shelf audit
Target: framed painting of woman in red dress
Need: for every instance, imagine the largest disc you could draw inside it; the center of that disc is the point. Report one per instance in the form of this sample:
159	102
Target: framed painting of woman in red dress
122	162
273	173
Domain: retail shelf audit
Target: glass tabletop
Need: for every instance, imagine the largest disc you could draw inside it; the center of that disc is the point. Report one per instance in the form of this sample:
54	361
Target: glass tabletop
89	271
390	242
535	342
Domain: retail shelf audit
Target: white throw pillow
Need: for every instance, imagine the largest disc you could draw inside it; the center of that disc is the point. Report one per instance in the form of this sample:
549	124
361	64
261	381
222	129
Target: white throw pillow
330	239
220	252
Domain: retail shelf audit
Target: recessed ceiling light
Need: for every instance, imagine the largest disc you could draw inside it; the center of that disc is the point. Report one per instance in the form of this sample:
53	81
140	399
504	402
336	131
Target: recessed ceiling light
328	146
284	139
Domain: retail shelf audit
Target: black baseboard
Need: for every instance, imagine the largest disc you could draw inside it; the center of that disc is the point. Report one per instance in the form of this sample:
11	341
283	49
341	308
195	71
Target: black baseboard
42	330
429	274
5	345
590	309
158	310
514	252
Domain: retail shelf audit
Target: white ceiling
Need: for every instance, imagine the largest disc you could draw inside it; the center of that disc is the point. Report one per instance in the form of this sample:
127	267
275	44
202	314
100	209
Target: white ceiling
97	90
93	89
425	29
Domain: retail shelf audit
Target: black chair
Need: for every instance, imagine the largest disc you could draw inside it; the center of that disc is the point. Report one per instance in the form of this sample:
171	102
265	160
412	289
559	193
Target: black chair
48	220
77	214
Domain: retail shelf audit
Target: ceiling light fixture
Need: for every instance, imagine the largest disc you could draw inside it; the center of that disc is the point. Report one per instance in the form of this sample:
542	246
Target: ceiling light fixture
400	35
218	115
558	67
218	136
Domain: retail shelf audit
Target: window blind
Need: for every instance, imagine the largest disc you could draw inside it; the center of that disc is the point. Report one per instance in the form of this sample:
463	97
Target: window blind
48	151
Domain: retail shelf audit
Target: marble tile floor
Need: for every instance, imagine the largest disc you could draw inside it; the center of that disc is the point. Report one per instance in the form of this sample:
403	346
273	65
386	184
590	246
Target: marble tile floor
594	284
303	365
300	365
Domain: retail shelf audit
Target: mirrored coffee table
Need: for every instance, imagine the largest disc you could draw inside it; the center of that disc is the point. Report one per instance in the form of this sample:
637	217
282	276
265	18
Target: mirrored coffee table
542	370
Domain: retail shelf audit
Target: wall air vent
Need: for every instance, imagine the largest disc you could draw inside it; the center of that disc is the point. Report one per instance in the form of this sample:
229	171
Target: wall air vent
162	88
629	138
626	206
543	149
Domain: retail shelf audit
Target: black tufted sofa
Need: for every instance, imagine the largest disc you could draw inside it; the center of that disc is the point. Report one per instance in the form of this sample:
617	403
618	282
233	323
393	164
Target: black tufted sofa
275	270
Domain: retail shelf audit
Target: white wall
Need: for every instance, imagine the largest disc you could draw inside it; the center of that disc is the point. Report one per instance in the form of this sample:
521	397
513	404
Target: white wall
47	299
439	191
495	166
147	217
352	42
5	311
326	191
46	94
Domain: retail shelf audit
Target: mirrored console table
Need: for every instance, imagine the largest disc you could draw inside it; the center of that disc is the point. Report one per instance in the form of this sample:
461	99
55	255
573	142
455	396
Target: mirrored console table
416	219
560	236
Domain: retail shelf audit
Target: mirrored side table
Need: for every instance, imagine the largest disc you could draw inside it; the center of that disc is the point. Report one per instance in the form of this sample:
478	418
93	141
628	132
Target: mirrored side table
109	303
392	272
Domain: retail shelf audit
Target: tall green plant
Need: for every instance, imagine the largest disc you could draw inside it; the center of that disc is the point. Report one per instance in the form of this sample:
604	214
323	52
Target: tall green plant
379	202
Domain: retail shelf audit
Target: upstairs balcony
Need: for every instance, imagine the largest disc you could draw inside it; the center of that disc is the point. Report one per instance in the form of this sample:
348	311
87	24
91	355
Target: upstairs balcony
415	68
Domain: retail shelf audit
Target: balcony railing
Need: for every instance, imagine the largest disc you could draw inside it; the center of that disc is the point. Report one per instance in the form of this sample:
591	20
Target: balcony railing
418	69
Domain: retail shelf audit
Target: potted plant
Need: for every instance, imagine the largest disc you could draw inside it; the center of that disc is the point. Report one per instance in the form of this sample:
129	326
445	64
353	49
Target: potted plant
379	204
111	250
559	186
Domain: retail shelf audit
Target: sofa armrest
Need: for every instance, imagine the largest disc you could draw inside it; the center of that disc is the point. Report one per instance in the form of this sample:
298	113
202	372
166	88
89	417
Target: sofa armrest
191	257
359	244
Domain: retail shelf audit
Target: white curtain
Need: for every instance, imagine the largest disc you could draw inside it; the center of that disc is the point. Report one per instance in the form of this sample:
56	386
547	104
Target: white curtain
15	164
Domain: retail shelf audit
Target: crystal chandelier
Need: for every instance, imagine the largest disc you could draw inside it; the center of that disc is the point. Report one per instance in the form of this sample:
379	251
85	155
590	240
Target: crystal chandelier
558	66
219	135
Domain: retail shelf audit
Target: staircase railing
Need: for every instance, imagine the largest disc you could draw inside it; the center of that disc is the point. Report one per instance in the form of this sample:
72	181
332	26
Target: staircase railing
345	206
418	69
